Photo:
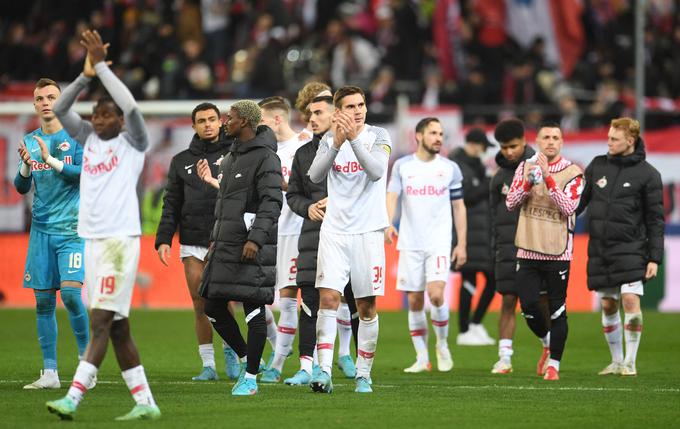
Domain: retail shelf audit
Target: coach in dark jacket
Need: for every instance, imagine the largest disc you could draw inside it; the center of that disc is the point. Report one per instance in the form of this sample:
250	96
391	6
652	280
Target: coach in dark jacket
189	202
250	184
242	258
476	198
504	222
624	196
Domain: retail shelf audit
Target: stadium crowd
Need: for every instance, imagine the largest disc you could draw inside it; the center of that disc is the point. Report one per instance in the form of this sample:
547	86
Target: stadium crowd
197	49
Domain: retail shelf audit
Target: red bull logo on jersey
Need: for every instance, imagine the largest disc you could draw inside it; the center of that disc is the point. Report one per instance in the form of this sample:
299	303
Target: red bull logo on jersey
42	166
348	167
64	146
102	167
427	190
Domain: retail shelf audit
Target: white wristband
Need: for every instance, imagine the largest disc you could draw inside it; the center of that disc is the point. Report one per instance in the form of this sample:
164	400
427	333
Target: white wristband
25	170
55	163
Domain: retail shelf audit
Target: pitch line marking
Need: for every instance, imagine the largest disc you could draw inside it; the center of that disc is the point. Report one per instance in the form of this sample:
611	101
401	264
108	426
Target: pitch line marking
424	386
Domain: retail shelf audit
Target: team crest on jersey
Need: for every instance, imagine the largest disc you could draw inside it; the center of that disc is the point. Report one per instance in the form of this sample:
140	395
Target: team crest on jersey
440	174
505	189
64	146
27	277
602	182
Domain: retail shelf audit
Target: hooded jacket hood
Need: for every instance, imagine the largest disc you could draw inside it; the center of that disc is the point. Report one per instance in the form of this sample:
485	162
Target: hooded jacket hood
265	137
503	162
198	146
638	155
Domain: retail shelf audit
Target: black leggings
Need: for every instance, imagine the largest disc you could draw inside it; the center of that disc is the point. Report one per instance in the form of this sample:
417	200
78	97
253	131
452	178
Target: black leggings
465	302
226	326
551	277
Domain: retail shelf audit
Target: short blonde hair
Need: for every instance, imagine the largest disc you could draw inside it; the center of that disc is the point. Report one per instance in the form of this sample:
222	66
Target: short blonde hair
248	110
629	126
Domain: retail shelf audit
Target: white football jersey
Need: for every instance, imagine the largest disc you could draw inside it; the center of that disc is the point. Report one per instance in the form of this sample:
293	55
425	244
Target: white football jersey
289	222
426	190
355	203
109	206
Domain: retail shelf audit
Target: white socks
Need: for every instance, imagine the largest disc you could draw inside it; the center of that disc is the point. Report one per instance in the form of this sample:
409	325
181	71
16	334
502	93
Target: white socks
135	378
611	326
554	363
307	364
271	326
344	329
368	341
505	350
632	333
326	329
207	354
417	325
440	324
85	373
288	323
546	340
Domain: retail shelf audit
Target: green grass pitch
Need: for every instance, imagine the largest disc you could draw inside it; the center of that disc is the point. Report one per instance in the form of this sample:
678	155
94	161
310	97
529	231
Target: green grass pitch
469	396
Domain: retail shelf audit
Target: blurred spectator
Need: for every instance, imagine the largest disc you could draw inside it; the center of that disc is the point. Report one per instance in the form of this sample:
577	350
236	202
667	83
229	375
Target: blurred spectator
353	59
241	48
214	21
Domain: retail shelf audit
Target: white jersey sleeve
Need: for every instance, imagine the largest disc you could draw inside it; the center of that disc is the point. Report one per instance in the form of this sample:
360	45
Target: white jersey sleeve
456	185
394	184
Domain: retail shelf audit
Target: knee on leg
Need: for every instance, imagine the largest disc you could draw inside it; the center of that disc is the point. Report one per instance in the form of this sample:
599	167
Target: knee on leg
509	303
72	300
45	303
120	331
530	308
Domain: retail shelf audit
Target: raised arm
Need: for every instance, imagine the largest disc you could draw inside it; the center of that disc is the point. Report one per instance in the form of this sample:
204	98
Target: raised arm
519	190
75	125
323	161
134	121
374	162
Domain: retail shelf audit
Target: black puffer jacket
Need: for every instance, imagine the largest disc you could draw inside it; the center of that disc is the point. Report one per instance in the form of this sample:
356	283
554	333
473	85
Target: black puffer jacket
250	182
504	222
302	193
476	198
624	196
189	202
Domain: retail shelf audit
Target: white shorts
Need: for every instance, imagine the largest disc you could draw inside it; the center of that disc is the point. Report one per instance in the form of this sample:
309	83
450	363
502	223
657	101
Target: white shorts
198	252
417	268
286	260
110	271
615	292
359	258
